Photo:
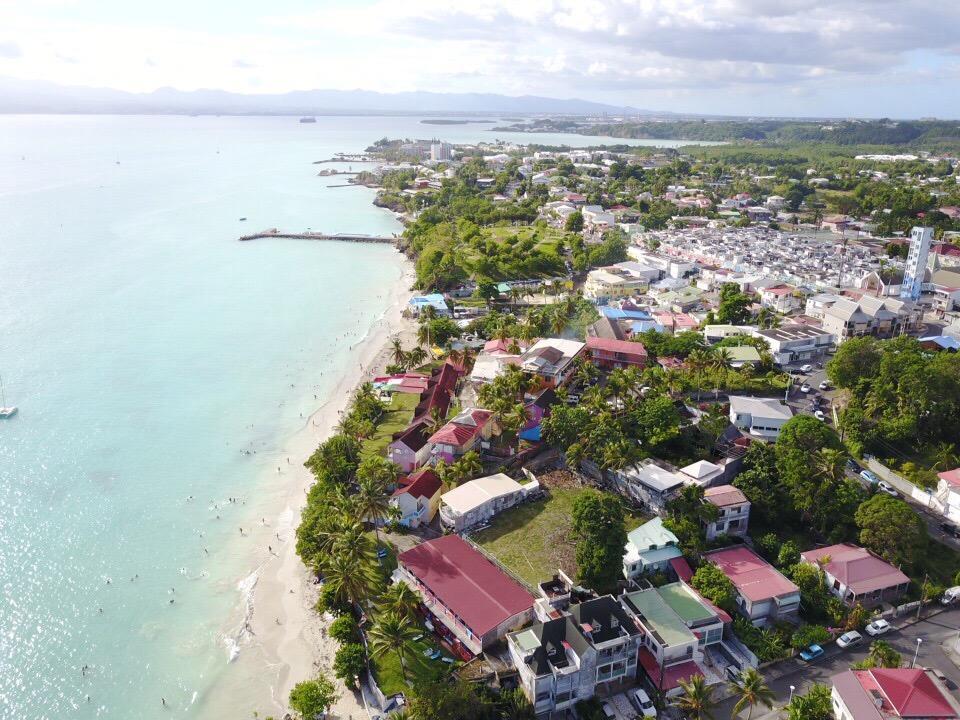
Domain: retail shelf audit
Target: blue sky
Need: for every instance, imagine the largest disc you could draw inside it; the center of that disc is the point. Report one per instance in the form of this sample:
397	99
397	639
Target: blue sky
869	58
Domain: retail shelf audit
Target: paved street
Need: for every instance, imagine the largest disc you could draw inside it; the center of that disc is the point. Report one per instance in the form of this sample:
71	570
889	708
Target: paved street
934	633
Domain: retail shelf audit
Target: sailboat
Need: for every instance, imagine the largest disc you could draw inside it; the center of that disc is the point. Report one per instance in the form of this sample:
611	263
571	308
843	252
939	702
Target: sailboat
5	410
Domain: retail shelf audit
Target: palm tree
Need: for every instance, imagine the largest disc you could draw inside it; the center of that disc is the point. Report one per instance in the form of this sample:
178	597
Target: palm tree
829	464
392	633
372	502
469	466
433	421
396	352
399	599
946	456
416	357
697	701
697	362
558	319
351	578
752	691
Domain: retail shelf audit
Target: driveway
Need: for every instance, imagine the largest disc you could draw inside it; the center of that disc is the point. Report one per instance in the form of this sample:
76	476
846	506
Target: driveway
938	633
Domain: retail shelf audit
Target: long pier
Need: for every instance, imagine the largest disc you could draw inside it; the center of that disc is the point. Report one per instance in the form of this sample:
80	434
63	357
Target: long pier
342	237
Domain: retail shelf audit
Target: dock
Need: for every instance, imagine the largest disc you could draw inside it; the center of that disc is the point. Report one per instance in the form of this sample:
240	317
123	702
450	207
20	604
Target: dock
341	237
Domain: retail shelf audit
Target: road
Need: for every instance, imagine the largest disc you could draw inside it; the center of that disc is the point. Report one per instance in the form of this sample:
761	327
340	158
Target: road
934	632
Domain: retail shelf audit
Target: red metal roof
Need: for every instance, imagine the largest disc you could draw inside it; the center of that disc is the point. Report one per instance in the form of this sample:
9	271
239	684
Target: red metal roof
625	347
754	578
422	483
857	567
951	477
911	693
455	433
468	584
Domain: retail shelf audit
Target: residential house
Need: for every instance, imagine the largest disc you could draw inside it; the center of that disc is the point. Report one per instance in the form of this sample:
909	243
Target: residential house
552	360
649	549
763	594
733	511
796	343
417	498
741	355
608	354
611	283
878	316
760	417
783	299
703	473
891	693
648	483
470	430
477	501
856	575
948	493
677	626
471	602
417	303
716	333
566	659
409	448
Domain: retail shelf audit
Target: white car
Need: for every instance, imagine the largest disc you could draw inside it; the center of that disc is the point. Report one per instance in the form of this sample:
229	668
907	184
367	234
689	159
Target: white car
824	385
641	701
607	710
806	368
819	415
884	486
849	638
805	388
878	627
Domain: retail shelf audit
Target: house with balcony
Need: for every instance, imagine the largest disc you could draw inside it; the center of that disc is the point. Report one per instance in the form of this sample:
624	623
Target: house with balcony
609	354
759	417
649	549
611	283
881	317
478	501
470	601
796	343
648	483
733	511
763	594
677	627
948	494
553	360
856	575
564	660
417	498
470	430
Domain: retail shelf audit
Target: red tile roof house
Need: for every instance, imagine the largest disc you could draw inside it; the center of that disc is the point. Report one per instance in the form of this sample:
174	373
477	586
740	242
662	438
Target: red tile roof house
409	448
855	575
762	592
608	353
469	430
417	498
885	694
474	602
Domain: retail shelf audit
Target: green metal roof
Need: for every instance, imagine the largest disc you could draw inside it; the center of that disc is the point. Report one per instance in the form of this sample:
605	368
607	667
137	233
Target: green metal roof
527	640
660	617
684	604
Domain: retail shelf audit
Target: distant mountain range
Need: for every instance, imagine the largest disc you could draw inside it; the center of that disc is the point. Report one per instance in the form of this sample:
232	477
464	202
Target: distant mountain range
21	96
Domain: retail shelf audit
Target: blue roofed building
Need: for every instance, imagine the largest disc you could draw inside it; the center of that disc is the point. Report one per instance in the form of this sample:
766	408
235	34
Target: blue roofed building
649	548
435	300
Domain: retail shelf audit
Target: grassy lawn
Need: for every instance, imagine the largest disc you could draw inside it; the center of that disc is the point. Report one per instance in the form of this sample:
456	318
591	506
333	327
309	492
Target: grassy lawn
535	539
543	236
419	667
395	419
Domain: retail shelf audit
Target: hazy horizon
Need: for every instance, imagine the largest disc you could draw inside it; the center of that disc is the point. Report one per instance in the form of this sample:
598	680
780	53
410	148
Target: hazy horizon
822	58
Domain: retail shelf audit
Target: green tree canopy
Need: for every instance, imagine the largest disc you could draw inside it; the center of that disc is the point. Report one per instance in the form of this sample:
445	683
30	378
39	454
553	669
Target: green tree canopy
599	525
312	698
891	529
710	582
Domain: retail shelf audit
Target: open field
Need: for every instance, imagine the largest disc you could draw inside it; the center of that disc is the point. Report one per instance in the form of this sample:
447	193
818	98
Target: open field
395	419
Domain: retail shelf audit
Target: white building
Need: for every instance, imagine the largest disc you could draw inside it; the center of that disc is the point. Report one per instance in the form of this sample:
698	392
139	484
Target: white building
920	239
733	510
760	417
477	501
796	343
649	548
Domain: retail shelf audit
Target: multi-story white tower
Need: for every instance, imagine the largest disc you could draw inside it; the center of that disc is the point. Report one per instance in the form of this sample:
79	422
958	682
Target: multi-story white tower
920	238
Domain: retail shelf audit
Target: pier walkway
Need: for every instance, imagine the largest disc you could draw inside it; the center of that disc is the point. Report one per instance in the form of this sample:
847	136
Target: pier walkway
343	237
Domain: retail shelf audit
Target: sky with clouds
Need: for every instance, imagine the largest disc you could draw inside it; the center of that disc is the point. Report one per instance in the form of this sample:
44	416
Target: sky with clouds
895	58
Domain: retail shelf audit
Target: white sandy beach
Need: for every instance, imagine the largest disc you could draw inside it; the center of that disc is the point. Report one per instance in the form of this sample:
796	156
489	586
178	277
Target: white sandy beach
286	640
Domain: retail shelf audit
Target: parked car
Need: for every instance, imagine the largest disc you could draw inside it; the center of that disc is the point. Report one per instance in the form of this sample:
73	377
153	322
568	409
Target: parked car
641	701
884	486
943	678
805	388
853	466
811	653
849	638
950	529
825	385
806	368
818	414
607	710
950	595
869	477
878	627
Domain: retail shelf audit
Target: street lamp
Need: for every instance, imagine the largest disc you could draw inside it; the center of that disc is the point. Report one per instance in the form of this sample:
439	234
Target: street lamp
916	653
792	688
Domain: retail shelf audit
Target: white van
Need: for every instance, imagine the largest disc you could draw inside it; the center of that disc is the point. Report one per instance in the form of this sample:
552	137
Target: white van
951	595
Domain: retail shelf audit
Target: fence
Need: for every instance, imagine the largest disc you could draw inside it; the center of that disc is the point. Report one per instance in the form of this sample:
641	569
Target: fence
906	487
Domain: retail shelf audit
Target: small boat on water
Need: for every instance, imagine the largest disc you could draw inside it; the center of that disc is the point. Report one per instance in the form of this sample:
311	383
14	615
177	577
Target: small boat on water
308	119
6	411
243	219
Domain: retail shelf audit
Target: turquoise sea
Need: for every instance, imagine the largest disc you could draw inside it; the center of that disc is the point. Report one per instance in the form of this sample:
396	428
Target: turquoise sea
159	365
